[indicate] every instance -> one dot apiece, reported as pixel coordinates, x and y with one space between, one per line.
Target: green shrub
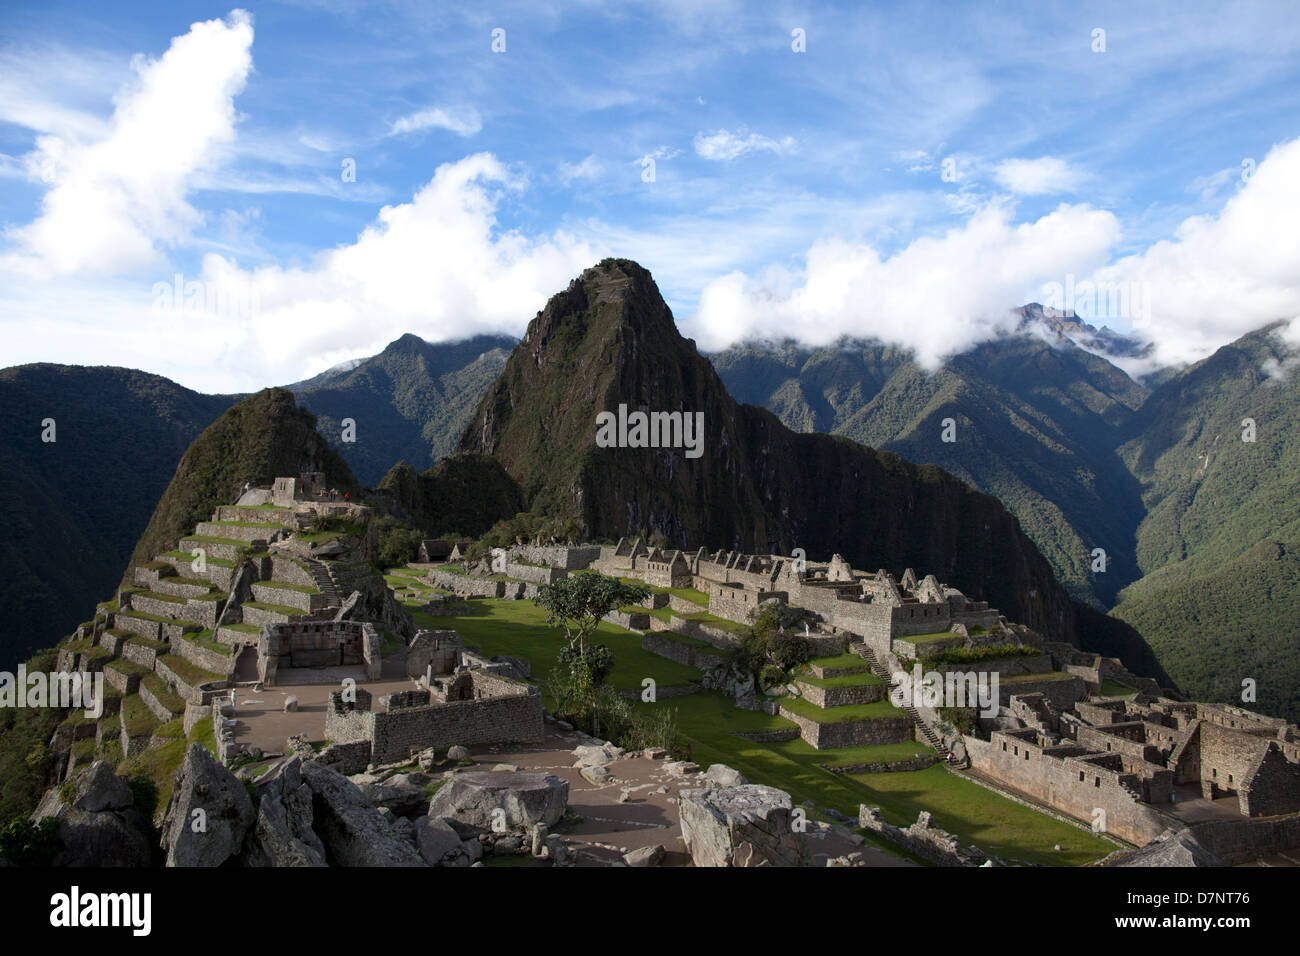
24 843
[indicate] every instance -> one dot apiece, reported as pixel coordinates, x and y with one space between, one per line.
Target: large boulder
526 799
748 825
209 814
97 822
283 834
353 832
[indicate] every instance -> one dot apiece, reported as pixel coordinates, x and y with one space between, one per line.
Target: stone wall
921 839
841 696
504 718
1022 766
464 585
534 575
851 733
201 656
1241 841
678 651
568 558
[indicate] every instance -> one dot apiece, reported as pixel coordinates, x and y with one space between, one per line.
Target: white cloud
463 121
724 144
117 197
436 266
588 169
1222 275
1036 177
936 297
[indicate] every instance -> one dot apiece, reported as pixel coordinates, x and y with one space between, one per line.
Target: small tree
578 602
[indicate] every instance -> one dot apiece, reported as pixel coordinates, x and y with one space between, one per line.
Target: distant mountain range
410 402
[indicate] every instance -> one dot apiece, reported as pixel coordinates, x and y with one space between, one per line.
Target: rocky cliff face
610 339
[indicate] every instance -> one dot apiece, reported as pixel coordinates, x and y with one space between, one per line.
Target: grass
277 608
1113 688
129 668
163 694
188 672
148 642
841 660
1029 678
205 640
300 588
519 628
930 638
137 719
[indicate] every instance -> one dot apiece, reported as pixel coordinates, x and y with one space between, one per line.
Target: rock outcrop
353 832
97 821
208 815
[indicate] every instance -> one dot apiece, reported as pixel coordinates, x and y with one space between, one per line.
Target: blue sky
915 172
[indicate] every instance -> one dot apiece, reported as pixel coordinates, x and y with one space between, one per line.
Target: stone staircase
933 739
324 581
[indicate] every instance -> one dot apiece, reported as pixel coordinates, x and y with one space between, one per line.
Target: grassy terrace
519 628
163 694
840 715
129 668
284 585
157 646
841 660
186 625
277 608
249 524
1029 678
205 640
137 719
929 638
188 672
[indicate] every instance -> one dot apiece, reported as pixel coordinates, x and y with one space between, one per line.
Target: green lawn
519 628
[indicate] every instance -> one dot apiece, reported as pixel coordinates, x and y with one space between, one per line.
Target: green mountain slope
76 506
1219 542
610 339
1035 426
410 402
256 440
